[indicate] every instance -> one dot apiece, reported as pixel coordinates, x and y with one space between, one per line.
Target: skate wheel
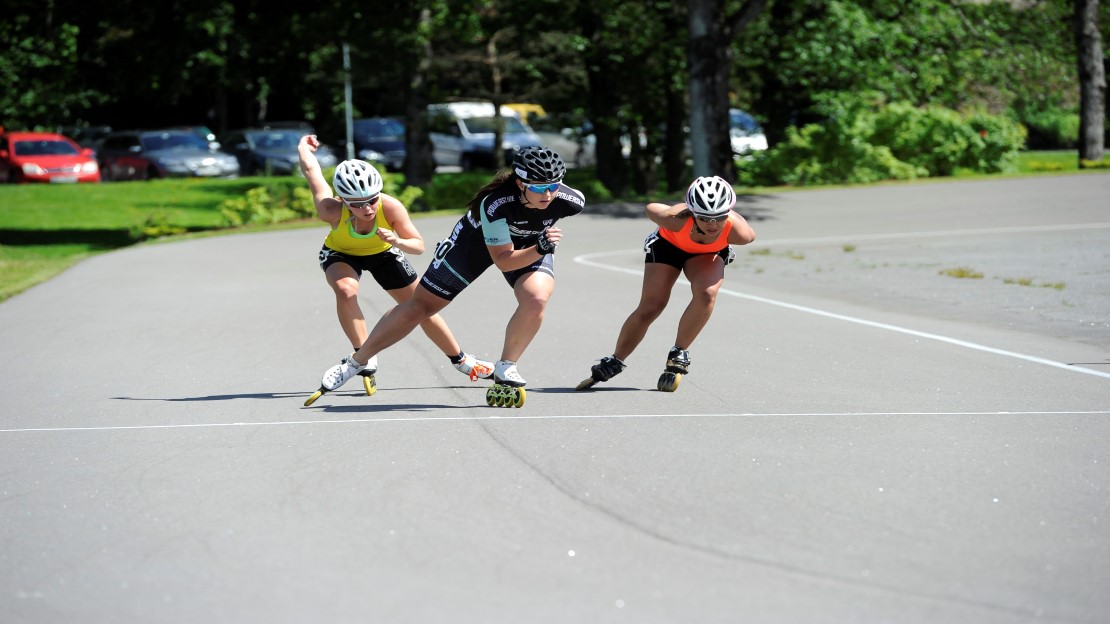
369 384
586 384
517 400
312 399
668 382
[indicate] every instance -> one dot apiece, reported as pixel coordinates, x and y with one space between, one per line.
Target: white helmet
355 179
710 197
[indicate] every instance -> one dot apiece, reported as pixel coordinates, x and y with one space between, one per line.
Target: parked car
45 157
203 132
381 141
147 154
745 132
575 145
462 134
85 136
271 151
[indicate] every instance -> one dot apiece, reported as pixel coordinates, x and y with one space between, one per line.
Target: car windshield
479 125
380 128
276 139
44 147
173 141
739 120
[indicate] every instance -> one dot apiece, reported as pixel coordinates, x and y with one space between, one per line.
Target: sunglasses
363 203
543 188
713 219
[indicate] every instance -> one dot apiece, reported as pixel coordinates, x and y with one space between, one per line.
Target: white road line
587 259
517 416
853 238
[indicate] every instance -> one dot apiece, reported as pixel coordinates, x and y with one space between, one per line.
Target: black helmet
539 164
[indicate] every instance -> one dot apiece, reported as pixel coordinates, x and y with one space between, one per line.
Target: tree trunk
492 61
419 165
709 61
603 106
1092 82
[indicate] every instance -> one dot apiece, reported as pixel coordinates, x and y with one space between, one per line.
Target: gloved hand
545 246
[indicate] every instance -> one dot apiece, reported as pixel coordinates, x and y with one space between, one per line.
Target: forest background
846 90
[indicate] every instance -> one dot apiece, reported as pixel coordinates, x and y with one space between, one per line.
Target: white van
462 134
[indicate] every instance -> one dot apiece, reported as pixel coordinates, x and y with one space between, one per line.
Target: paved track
862 438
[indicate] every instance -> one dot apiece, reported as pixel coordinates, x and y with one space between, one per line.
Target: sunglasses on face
713 219
363 203
543 188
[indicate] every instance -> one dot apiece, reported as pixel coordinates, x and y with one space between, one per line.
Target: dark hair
501 179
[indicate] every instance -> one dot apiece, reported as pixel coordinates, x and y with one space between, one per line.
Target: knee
706 296
533 302
650 310
346 289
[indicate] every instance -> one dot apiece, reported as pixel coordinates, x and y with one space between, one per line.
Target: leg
706 274
532 293
344 282
399 322
659 279
434 326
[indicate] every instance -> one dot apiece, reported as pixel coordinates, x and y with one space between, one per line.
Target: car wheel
152 173
466 162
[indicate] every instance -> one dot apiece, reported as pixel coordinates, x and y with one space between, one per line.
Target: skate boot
473 367
678 364
508 386
369 383
607 368
335 377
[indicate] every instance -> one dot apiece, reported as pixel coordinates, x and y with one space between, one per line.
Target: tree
39 69
1092 82
709 59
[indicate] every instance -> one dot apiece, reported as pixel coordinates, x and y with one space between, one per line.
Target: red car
45 157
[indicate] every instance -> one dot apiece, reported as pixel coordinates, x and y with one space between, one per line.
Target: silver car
271 151
462 134
148 154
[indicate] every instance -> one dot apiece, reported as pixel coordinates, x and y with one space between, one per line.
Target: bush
859 144
836 152
1051 129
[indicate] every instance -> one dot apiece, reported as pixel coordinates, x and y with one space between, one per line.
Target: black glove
544 246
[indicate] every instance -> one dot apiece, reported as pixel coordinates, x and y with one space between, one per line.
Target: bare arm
741 233
404 235
327 207
668 217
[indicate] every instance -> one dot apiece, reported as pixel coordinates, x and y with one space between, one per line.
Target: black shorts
456 266
663 251
391 269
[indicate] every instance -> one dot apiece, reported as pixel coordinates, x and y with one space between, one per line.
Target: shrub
1051 129
861 143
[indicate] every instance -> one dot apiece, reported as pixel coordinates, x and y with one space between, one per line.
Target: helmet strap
700 231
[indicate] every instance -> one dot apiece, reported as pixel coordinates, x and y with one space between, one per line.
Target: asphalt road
869 433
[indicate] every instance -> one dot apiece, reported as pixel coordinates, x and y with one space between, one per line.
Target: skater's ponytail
502 178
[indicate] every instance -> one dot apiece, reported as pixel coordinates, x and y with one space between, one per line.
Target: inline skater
510 224
691 238
371 231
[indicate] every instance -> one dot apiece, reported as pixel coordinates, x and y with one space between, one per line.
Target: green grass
1053 161
961 273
